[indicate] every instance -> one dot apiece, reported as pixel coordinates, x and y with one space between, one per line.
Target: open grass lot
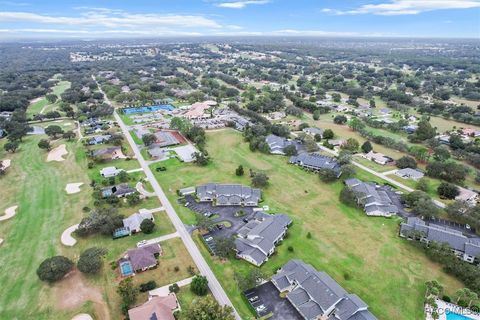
381 268
45 211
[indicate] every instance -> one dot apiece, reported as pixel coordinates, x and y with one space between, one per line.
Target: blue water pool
146 109
126 268
455 316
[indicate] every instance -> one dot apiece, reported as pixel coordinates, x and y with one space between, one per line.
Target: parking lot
265 299
225 214
209 240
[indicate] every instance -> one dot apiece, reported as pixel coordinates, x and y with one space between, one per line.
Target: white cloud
240 4
406 7
112 19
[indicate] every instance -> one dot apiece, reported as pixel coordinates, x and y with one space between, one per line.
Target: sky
90 19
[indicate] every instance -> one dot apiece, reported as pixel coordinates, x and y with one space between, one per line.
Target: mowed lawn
365 255
45 210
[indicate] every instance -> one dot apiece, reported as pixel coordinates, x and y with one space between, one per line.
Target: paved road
199 260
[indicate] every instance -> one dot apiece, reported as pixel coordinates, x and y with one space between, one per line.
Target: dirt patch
73 187
9 213
57 153
73 291
36 100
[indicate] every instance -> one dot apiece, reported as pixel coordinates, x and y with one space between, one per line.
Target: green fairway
42 105
364 254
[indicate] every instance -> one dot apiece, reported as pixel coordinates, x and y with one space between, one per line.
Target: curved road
197 257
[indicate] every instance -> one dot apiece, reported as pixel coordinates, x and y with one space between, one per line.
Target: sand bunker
82 316
9 212
57 153
6 163
1 241
67 238
73 187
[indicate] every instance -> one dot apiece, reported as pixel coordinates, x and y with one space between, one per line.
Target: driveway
269 296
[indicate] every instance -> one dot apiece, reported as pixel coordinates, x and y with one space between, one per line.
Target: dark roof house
119 190
376 200
316 162
316 295
257 239
228 194
145 257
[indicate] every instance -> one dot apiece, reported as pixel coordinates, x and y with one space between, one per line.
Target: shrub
147 226
290 249
176 269
347 276
309 235
174 288
446 298
199 285
147 286
90 261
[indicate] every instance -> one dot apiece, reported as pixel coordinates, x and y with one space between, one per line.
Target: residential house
99 139
316 295
409 173
471 132
316 162
378 158
108 172
257 239
119 191
228 194
144 258
376 200
133 222
111 153
277 144
156 308
313 131
466 248
467 195
336 142
410 128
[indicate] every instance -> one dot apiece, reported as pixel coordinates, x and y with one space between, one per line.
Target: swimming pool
146 109
126 268
456 316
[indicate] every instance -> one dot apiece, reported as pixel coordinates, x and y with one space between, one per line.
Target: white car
209 239
141 243
260 308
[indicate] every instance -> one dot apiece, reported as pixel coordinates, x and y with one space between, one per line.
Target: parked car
220 226
141 243
208 239
260 308
253 299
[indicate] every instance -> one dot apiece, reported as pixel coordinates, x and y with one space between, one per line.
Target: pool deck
443 307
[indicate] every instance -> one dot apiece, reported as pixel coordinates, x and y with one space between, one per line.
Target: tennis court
146 109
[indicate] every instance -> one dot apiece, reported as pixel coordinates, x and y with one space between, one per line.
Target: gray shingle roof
315 161
410 173
229 194
372 197
315 293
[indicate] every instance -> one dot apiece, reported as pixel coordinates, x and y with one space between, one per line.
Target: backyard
365 255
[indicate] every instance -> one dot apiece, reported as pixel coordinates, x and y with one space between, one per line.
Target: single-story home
111 153
156 308
144 258
467 195
316 295
133 222
257 239
336 142
99 139
409 173
108 172
313 131
228 194
316 162
119 191
187 191
378 158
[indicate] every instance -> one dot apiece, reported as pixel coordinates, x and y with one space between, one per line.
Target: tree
259 180
199 285
422 185
90 260
54 268
174 288
316 115
250 280
11 146
149 139
328 134
348 171
147 286
128 292
441 153
51 98
424 131
44 144
224 246
351 144
203 222
122 176
310 144
317 137
327 175
208 309
447 190
69 135
239 171
348 197
53 131
426 208
356 124
367 147
372 103
419 152
200 158
147 226
290 150
133 199
340 119
344 157
406 162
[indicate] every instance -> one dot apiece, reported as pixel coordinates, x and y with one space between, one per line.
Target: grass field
383 269
42 105
45 211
